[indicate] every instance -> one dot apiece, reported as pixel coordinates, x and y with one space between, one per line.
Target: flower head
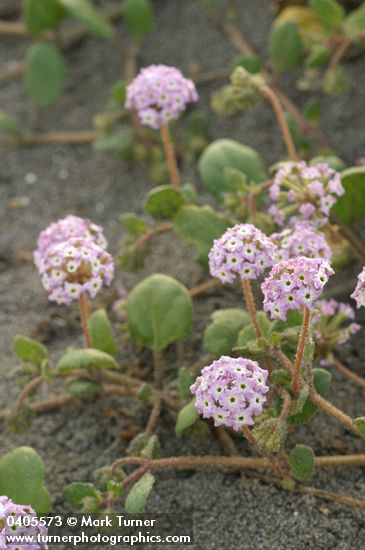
19 526
359 292
303 192
73 267
303 240
293 284
62 230
242 250
231 391
159 94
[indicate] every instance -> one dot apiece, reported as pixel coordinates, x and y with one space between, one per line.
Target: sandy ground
231 511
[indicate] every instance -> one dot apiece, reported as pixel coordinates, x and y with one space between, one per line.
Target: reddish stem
300 351
170 156
85 314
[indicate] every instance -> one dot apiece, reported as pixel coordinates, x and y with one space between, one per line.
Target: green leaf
286 46
199 226
189 193
281 377
163 202
159 311
40 15
329 12
360 425
9 126
79 387
186 379
135 225
145 394
137 497
322 380
85 12
29 350
225 153
354 24
351 206
22 479
75 493
139 17
85 359
121 140
312 110
301 461
45 73
101 332
221 335
187 416
318 57
252 63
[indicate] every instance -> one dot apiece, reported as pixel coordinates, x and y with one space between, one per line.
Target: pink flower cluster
303 240
294 284
231 391
8 508
73 267
62 230
359 292
309 192
330 323
71 259
242 250
159 94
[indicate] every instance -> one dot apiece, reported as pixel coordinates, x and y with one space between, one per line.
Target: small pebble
30 178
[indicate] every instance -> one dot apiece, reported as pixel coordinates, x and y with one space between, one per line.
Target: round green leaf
351 206
225 153
159 311
286 46
301 462
139 16
85 359
101 332
220 336
199 226
85 12
45 73
137 497
76 492
40 15
329 12
163 202
22 479
322 380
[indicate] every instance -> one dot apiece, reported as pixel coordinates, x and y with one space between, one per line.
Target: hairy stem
247 291
333 411
288 140
347 372
300 351
155 413
233 462
170 156
29 388
204 287
144 239
85 314
158 368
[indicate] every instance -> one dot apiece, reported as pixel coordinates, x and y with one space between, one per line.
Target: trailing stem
288 140
170 156
300 351
347 372
85 314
